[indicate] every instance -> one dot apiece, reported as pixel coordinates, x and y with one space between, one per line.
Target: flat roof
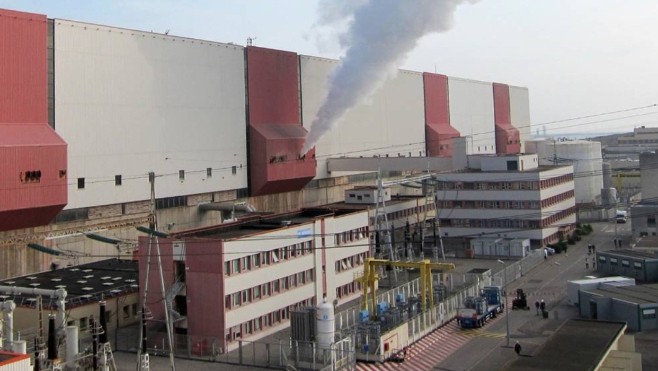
638 294
630 254
83 283
257 224
576 345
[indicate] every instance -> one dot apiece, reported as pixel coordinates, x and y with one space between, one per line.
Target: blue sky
577 57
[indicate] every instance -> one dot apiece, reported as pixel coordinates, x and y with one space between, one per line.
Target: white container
326 325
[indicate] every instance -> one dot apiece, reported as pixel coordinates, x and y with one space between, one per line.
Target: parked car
549 250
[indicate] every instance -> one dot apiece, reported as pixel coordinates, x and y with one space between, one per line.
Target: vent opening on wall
209 172
117 180
181 175
81 183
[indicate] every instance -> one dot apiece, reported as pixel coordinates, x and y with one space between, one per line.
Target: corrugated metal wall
438 132
390 122
205 289
472 113
520 113
23 83
32 156
507 136
134 102
275 132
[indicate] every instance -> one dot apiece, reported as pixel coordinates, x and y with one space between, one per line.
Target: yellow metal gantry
370 278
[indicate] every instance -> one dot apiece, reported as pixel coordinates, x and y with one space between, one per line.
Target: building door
593 312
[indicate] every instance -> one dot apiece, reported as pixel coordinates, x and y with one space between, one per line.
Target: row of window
508 223
412 211
118 179
553 219
351 235
255 261
489 204
624 263
261 323
127 311
490 223
350 262
557 198
348 289
267 289
496 186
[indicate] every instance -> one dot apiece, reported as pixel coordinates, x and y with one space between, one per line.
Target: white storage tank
325 325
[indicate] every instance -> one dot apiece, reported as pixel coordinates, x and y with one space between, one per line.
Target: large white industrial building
215 122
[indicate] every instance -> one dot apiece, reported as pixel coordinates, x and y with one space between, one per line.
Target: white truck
621 216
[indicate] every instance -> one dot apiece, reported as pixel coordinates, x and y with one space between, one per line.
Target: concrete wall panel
133 102
472 113
392 121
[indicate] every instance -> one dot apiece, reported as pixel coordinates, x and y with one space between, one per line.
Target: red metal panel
23 72
273 80
438 131
30 200
154 304
275 163
205 290
275 132
501 104
27 144
508 140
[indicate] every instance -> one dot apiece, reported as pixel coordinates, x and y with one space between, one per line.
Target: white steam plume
380 35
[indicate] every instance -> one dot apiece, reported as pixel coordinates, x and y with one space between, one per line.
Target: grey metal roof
638 294
630 254
576 346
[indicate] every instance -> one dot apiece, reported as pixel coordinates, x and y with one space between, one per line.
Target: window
257 260
257 292
512 165
234 170
117 180
613 261
637 265
209 172
625 263
81 183
181 175
648 313
126 312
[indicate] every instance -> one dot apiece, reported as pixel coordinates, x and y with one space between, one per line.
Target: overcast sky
577 57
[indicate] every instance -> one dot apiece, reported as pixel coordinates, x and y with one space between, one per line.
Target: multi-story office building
508 196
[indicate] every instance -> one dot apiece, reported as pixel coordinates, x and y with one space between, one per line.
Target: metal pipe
59 295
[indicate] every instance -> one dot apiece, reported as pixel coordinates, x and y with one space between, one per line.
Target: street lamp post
506 303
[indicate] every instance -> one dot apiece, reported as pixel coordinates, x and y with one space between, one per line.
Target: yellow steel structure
370 278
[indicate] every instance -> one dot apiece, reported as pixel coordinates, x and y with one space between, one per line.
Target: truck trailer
478 310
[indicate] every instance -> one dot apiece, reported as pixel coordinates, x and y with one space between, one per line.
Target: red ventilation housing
32 156
276 135
508 139
438 131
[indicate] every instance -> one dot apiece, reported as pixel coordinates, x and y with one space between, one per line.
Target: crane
370 278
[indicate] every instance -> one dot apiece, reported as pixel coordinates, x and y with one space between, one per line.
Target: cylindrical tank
19 346
71 344
325 325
